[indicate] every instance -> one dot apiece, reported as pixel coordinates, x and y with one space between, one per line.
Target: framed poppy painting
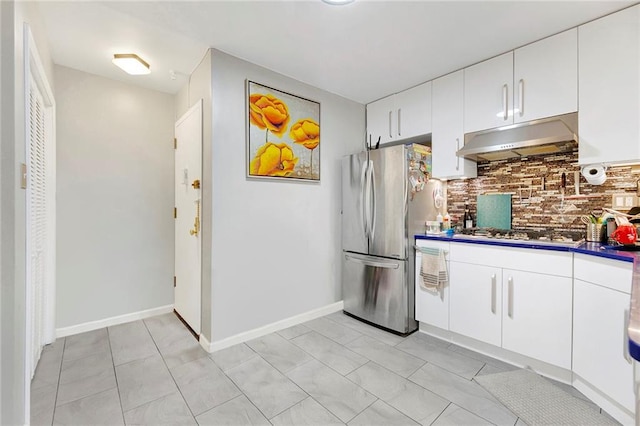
283 136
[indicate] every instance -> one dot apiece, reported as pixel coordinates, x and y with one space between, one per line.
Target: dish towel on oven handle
433 272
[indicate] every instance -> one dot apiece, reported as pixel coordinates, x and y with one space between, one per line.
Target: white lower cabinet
536 318
517 299
566 310
432 307
476 301
600 314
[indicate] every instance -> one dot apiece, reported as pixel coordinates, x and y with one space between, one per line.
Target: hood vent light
546 136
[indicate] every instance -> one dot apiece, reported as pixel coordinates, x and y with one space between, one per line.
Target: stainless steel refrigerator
386 199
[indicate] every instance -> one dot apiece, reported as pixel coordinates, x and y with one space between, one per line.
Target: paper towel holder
595 174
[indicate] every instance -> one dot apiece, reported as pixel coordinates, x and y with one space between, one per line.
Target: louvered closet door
37 214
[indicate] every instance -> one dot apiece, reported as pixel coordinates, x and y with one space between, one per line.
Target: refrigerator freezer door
376 289
388 182
354 214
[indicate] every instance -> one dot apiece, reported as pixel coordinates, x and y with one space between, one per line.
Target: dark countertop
593 249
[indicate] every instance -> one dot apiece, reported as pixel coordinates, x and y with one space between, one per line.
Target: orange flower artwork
268 112
306 132
273 160
275 147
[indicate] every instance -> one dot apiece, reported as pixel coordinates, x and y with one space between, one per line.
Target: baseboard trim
204 342
613 408
108 322
270 328
548 370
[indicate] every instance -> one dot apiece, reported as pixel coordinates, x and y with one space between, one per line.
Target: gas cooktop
537 236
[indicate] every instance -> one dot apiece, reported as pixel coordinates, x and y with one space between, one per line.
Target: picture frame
283 135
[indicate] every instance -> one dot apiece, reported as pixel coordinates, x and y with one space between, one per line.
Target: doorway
188 233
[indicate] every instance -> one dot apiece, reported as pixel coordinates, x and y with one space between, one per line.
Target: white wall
13 388
276 245
115 198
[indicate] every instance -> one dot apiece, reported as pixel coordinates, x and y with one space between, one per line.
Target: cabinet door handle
457 156
521 95
505 101
390 134
510 297
493 293
399 111
625 336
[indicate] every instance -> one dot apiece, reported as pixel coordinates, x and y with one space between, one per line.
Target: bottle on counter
440 221
468 218
446 222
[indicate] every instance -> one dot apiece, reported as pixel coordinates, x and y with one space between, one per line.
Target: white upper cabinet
609 87
402 116
536 81
414 111
447 136
380 121
488 90
546 77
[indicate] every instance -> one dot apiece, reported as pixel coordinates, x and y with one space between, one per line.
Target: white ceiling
362 51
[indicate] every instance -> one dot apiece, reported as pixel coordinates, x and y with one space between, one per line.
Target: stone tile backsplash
533 206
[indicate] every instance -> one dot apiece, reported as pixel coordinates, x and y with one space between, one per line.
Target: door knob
196 184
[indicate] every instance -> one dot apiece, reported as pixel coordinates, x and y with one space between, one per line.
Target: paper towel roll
595 174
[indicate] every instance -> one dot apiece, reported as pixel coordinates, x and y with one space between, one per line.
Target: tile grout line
113 364
477 384
442 412
341 325
326 408
364 334
55 401
247 396
371 361
243 362
324 363
170 375
235 384
365 408
409 381
452 372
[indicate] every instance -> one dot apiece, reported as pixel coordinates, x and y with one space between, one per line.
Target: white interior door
188 181
39 182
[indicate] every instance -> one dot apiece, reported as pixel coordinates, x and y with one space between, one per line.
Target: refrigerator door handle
389 265
374 205
405 187
363 200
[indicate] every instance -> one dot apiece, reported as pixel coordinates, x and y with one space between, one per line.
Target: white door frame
196 108
33 68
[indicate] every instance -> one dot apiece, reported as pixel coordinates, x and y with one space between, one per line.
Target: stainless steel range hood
546 136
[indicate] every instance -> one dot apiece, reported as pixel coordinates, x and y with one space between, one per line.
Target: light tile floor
329 371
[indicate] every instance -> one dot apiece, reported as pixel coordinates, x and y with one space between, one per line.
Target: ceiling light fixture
338 2
131 63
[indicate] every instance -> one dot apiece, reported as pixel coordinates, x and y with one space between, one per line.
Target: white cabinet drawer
613 274
523 259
